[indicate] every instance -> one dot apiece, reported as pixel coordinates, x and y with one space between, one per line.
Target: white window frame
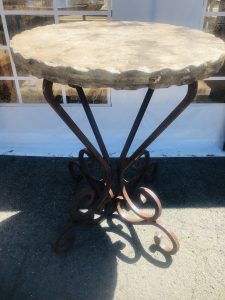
55 12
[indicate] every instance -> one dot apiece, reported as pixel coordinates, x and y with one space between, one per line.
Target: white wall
177 12
38 130
132 10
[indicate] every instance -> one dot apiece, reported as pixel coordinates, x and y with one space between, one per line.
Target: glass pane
64 19
7 91
216 5
31 91
221 72
215 25
94 95
2 35
95 18
5 65
17 24
28 4
210 91
74 18
82 4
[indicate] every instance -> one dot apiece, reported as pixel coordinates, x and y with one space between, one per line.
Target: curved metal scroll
130 205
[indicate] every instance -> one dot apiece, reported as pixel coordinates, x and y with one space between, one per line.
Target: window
19 15
212 90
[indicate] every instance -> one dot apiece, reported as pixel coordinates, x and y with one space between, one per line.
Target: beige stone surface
122 55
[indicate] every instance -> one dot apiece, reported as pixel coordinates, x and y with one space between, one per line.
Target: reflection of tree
217 93
2 36
16 24
218 87
219 27
94 95
82 4
6 91
23 4
6 86
65 4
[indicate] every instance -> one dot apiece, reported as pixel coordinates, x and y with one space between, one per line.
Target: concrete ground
106 263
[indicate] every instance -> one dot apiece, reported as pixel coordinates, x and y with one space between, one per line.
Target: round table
120 55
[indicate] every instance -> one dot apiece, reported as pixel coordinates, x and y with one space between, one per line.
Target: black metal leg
96 197
99 195
141 168
100 187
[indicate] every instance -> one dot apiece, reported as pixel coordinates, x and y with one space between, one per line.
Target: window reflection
75 18
31 91
17 24
2 35
210 91
5 65
94 95
82 4
215 25
7 91
65 19
216 5
28 4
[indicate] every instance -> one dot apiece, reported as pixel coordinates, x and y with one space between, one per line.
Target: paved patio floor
106 263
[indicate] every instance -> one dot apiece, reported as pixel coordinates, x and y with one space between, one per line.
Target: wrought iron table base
100 201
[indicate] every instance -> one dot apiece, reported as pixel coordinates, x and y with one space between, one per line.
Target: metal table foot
96 201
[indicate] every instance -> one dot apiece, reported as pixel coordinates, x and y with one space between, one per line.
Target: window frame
55 13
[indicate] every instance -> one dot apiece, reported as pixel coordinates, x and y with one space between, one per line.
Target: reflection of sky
65 3
60 3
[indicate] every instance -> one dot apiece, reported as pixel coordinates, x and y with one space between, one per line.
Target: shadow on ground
39 190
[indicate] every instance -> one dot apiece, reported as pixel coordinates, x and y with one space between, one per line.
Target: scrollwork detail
128 210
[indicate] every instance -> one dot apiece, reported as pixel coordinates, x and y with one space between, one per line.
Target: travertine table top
122 55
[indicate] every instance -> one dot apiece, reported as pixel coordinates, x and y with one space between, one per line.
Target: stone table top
122 55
